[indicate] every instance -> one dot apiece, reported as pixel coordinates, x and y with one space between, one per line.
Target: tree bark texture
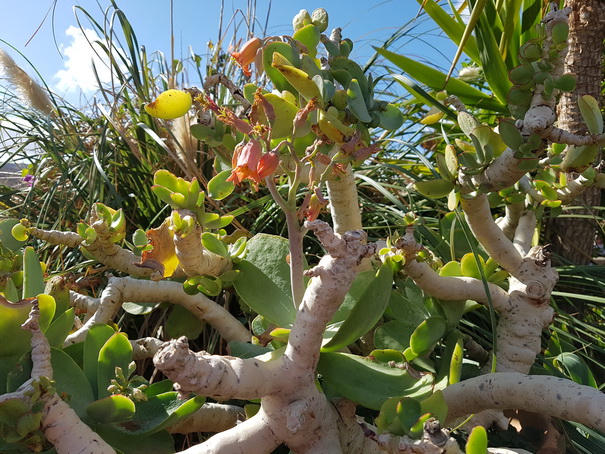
573 238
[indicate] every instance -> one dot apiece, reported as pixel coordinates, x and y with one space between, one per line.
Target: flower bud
247 54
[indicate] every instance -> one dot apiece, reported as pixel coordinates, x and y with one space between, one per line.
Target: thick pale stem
524 310
293 411
119 290
508 223
221 377
549 395
69 239
525 232
145 347
60 424
253 436
84 303
332 278
344 206
109 253
455 288
487 232
574 188
67 433
193 258
502 173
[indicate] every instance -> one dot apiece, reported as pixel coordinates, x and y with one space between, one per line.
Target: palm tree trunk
573 238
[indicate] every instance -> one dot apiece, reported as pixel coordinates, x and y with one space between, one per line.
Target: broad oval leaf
589 108
6 237
436 405
368 383
181 322
408 413
367 310
117 352
263 295
394 334
60 328
574 367
214 245
156 443
219 187
158 412
115 408
451 269
16 341
279 81
434 189
95 339
477 441
510 135
426 335
469 267
267 289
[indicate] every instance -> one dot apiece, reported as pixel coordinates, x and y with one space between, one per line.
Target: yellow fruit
169 105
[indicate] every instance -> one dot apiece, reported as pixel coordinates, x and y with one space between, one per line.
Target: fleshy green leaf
181 322
117 351
214 245
264 284
33 278
115 408
95 339
434 188
426 335
60 328
263 295
219 187
369 383
394 334
366 312
510 134
574 367
408 413
589 108
279 81
477 441
156 443
6 238
158 412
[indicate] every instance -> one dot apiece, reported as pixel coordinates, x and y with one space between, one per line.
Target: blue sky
65 65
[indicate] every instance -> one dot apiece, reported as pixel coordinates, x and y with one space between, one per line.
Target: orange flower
267 165
313 209
248 163
313 204
247 54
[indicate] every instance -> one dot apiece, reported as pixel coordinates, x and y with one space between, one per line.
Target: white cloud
79 57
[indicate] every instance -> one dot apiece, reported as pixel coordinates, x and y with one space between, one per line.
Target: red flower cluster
249 163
